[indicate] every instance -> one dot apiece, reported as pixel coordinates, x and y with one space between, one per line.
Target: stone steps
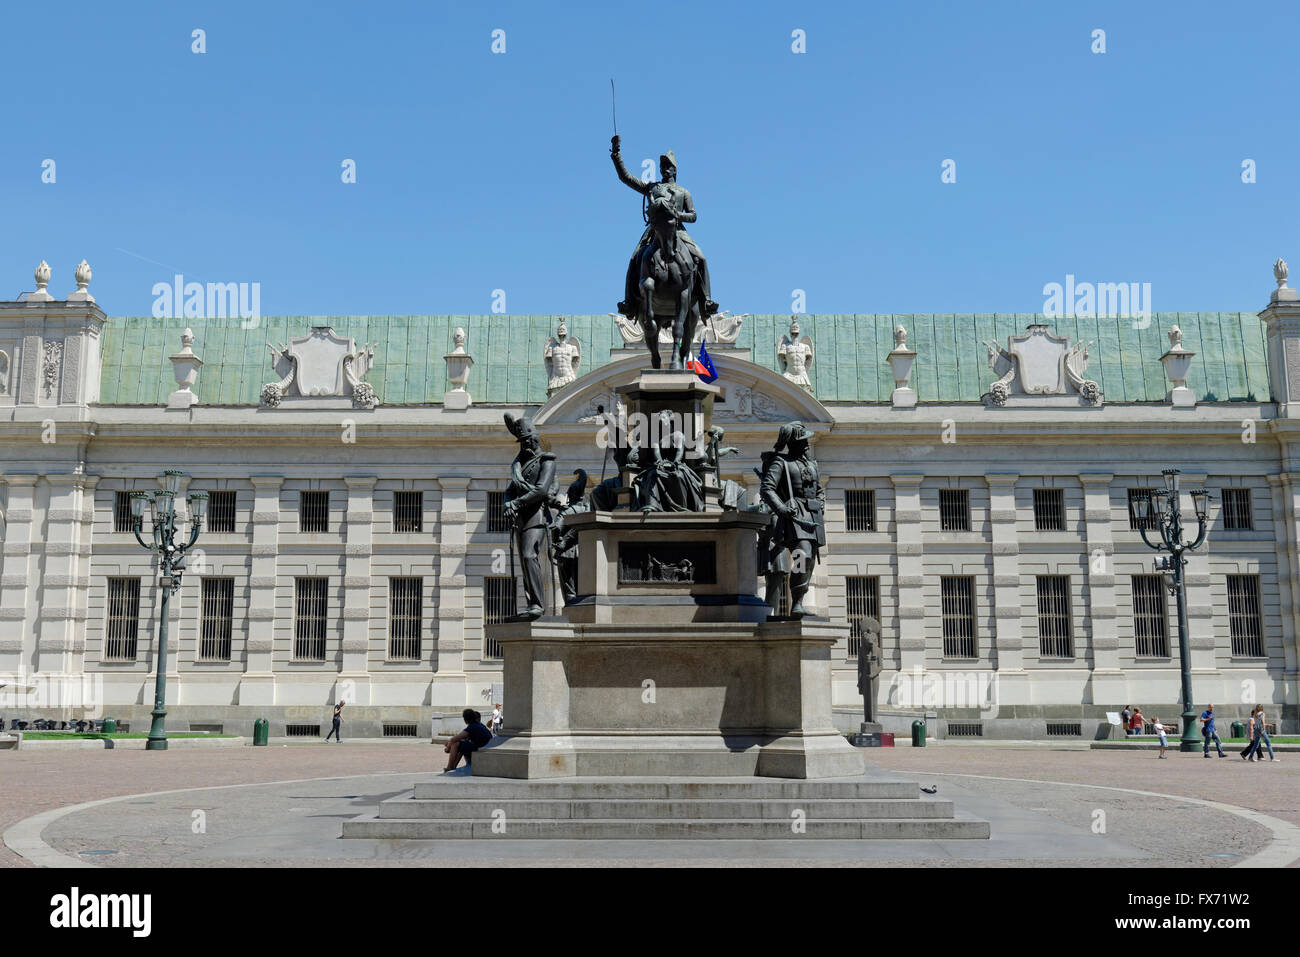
641 809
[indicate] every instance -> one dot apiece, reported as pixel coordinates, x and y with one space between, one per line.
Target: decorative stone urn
459 363
83 276
42 281
185 367
1177 362
901 360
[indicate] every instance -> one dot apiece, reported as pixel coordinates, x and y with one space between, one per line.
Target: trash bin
1238 729
261 732
918 734
110 726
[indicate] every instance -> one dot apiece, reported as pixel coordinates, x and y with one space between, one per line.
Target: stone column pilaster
1200 602
1109 685
62 607
449 687
908 549
257 685
357 586
1286 524
1008 616
17 636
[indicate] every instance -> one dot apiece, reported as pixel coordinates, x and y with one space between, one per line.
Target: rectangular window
1244 625
862 596
1150 617
860 509
954 509
313 511
1054 625
1153 520
496 512
408 511
122 521
1049 509
405 614
1236 510
310 607
221 512
957 594
218 611
498 605
122 625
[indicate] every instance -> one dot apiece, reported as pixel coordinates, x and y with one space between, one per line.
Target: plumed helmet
791 433
667 159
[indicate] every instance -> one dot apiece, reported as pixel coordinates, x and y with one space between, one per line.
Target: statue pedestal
668 699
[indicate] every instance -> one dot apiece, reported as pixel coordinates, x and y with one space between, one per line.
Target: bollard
261 732
110 726
918 734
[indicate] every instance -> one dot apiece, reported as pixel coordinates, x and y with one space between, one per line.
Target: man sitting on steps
468 741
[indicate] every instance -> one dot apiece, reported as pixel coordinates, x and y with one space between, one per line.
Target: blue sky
817 171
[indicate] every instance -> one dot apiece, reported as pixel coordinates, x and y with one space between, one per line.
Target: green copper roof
849 365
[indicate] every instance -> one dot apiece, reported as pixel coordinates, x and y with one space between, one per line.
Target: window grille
1049 509
496 513
310 607
860 509
408 511
302 731
399 731
498 605
217 602
957 594
122 520
1236 510
1244 625
405 615
965 729
1153 517
122 627
313 511
954 509
221 512
1064 729
1055 638
1150 617
862 595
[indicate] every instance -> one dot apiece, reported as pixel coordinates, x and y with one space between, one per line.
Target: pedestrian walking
1248 752
494 724
1136 721
1123 718
1261 736
1160 731
334 728
1208 734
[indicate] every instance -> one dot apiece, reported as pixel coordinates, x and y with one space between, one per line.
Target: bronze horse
669 291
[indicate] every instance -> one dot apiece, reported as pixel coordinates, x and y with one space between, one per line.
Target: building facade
978 474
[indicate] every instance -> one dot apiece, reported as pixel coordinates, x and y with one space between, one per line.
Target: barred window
1236 510
860 509
957 594
218 611
313 511
862 595
498 605
405 615
122 520
1055 638
1244 625
954 509
496 512
1150 617
221 512
1153 518
310 611
122 626
408 511
1049 509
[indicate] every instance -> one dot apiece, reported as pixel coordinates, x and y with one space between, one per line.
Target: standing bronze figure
565 540
667 278
791 489
531 476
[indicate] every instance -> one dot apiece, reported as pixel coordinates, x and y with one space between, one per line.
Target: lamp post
171 562
1163 506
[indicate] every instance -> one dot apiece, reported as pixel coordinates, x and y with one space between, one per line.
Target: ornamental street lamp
1161 508
171 562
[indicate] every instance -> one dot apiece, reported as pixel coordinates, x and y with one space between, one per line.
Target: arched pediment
752 395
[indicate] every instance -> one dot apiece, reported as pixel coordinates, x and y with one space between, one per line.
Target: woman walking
1247 753
1261 735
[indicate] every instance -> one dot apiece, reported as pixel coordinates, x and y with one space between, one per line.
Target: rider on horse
664 191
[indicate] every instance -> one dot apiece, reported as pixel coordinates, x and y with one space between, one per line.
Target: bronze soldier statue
531 476
565 540
664 191
791 489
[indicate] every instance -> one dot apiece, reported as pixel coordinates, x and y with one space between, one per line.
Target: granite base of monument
671 699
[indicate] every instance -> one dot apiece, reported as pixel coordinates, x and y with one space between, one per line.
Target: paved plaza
285 805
